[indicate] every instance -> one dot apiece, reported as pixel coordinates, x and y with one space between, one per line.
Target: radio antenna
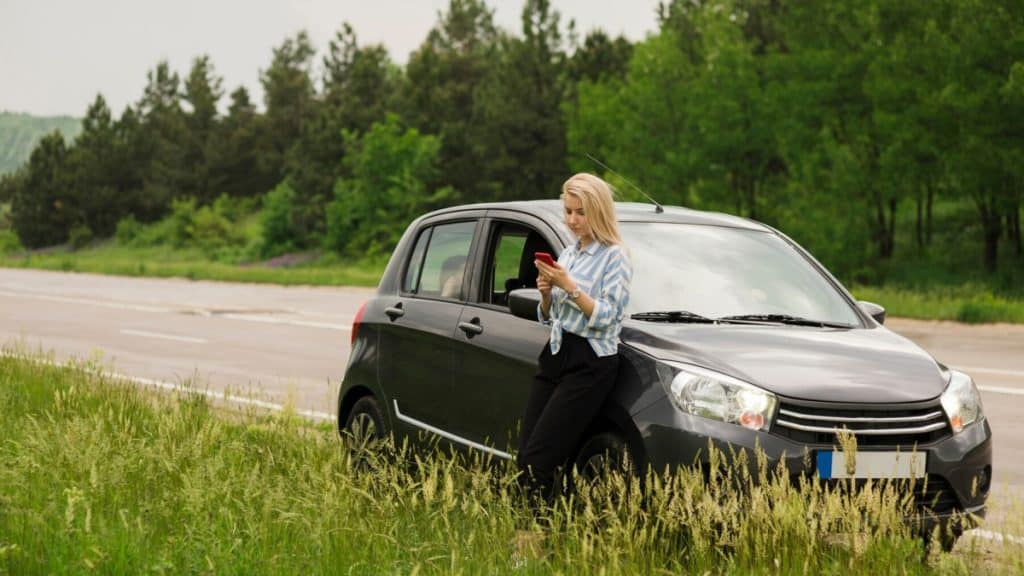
657 207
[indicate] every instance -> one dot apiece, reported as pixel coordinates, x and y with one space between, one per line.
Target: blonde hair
598 204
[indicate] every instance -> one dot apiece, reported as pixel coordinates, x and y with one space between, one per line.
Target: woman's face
576 218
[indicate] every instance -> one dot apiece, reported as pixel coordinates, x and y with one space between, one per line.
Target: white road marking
996 536
177 338
271 320
90 302
212 394
1001 372
1002 390
161 309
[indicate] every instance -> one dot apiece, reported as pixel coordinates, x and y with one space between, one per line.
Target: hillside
20 132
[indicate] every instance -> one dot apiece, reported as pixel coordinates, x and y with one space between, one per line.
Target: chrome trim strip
856 432
448 435
921 418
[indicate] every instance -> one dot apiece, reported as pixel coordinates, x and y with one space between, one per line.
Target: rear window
412 271
437 264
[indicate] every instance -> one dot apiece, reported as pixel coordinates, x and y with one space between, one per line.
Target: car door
417 338
498 358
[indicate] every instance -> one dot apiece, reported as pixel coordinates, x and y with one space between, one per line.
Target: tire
604 471
944 537
602 454
365 427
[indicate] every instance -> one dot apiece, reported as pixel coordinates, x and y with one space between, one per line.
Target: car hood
872 365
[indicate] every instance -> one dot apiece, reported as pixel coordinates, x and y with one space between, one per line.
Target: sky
56 55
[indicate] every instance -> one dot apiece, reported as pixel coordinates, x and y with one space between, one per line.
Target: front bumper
960 464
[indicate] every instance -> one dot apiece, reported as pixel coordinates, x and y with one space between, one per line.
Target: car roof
626 212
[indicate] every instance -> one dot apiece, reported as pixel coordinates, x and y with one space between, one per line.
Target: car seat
527 277
452 270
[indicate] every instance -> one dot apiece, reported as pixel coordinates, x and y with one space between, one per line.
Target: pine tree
233 156
163 140
439 95
202 93
521 127
42 211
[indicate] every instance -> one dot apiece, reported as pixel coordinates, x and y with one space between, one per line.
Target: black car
734 334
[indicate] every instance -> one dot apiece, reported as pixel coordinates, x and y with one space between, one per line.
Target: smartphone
545 258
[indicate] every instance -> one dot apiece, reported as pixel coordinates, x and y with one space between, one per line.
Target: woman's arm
604 308
544 285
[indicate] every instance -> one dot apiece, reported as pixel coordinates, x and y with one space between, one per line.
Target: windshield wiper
672 316
783 319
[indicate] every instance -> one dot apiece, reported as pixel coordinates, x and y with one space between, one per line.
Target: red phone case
545 258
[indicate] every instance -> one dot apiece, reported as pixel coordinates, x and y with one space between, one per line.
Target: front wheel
602 455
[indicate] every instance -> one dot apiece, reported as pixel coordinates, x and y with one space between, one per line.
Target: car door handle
395 312
471 328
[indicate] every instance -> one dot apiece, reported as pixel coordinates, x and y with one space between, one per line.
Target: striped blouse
603 272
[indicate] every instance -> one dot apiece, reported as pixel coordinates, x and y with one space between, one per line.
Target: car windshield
716 272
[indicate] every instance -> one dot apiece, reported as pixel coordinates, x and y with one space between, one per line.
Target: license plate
872 465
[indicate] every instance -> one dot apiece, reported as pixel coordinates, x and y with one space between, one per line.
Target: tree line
833 120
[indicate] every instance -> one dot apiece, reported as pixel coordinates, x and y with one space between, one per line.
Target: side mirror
523 302
873 310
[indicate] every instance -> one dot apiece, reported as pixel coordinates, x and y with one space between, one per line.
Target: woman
583 298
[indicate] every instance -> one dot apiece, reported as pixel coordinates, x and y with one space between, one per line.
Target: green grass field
101 476
972 304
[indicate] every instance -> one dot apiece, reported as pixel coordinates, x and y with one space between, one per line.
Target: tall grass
100 476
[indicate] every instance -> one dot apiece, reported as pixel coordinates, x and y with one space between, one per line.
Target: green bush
157 234
206 228
80 236
393 173
128 229
215 235
5 215
235 209
983 308
181 219
9 242
276 217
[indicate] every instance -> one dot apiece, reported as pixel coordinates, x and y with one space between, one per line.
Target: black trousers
567 394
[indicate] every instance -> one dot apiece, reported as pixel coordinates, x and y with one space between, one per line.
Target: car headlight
716 396
961 401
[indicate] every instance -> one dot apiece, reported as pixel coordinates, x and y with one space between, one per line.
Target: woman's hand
555 276
544 285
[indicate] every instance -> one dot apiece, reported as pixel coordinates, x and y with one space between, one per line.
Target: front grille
935 495
932 494
893 425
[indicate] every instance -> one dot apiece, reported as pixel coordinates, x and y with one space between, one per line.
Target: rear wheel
365 427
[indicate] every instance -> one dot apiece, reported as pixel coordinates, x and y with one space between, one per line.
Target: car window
718 271
444 264
412 270
510 261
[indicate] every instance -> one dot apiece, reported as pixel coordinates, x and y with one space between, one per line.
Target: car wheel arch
349 400
616 419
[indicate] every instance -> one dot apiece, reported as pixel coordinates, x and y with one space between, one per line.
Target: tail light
355 323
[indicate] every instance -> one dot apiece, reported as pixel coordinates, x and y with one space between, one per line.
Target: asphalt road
290 344
282 345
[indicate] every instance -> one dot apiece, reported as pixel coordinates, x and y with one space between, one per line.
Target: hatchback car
734 334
